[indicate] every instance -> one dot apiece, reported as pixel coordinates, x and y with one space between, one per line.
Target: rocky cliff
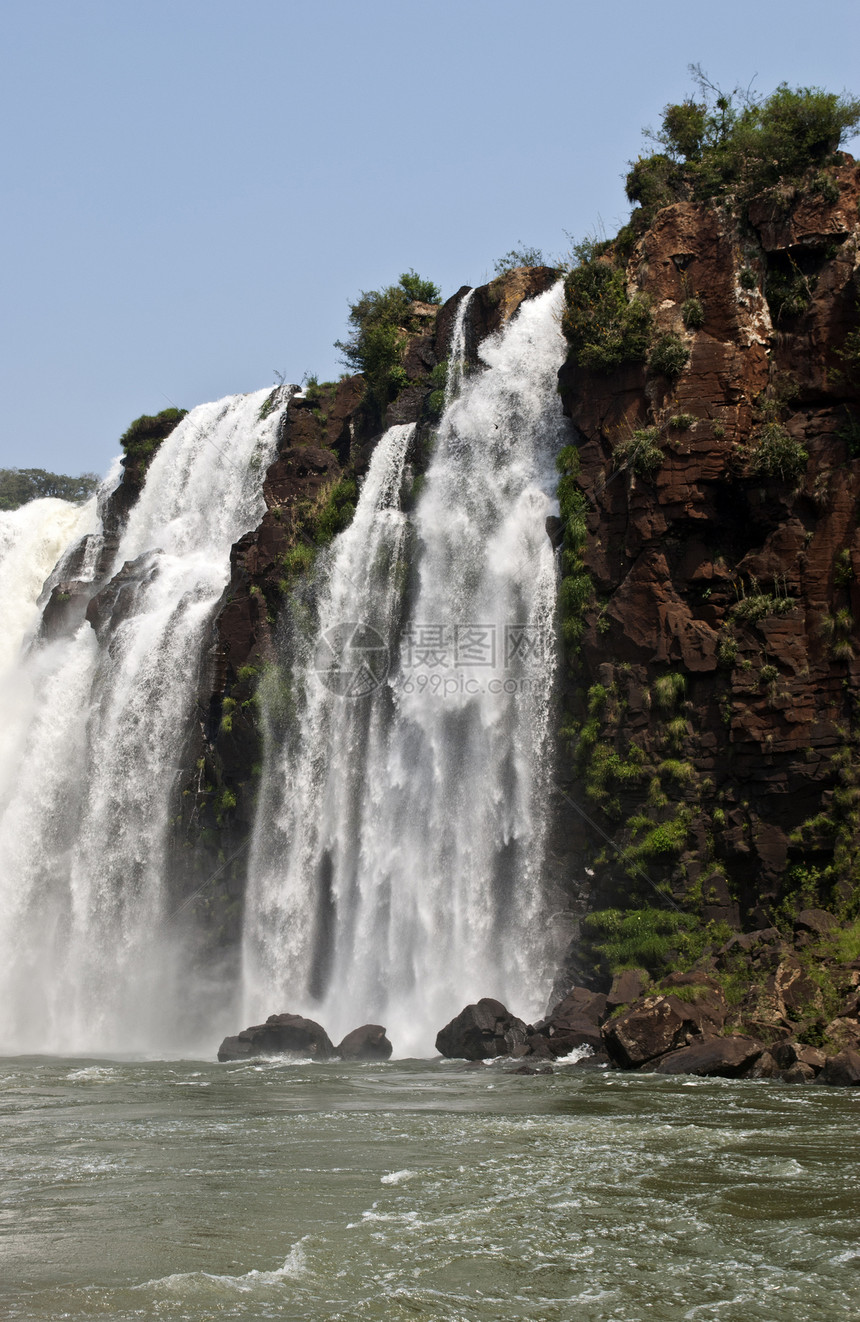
710 730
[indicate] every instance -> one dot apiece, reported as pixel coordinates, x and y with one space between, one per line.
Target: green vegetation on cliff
380 322
715 146
146 433
718 143
711 725
602 326
20 485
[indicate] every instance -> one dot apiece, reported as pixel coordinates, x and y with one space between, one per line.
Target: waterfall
32 540
86 788
397 867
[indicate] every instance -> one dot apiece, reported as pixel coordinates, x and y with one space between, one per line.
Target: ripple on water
413 1193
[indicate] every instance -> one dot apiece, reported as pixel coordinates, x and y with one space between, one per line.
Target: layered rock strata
710 723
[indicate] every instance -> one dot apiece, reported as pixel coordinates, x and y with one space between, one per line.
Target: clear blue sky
196 189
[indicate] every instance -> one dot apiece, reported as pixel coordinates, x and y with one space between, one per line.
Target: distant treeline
18 485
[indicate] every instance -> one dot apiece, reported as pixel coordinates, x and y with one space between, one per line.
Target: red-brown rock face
722 633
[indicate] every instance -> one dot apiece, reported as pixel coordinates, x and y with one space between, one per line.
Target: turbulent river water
189 1190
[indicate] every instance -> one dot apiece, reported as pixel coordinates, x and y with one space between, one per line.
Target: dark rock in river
649 1029
714 1057
798 1073
842 1070
366 1043
789 1054
574 1022
281 1034
481 1031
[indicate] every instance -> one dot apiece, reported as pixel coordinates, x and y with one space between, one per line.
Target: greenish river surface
190 1190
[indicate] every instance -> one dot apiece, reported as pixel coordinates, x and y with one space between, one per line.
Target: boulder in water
281 1034
574 1022
842 1070
715 1057
366 1043
481 1031
651 1028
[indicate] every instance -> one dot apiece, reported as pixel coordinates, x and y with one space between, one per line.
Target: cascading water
86 960
396 872
32 540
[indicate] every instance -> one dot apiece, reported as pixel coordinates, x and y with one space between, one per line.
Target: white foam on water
190 1284
398 1177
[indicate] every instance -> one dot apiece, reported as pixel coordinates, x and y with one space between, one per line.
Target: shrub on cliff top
715 142
146 433
519 256
379 322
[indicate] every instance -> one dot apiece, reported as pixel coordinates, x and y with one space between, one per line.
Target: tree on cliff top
715 143
379 320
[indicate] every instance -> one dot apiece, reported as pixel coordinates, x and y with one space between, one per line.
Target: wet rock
842 1070
407 407
789 1054
532 1069
649 1029
764 1068
574 1022
117 600
366 1043
554 531
481 1031
536 1044
281 1034
494 304
596 1060
626 987
65 608
714 1057
798 1073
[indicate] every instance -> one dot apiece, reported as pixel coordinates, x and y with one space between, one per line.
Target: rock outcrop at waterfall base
281 1034
366 1043
481 1032
682 1024
293 1035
